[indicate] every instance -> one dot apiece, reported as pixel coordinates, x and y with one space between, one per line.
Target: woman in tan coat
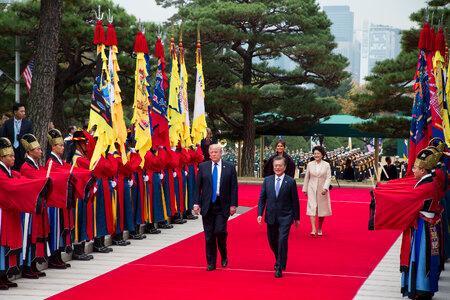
315 187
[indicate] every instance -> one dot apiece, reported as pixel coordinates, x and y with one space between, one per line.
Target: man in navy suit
14 129
216 198
279 199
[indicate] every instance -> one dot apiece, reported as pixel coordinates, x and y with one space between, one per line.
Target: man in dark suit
279 199
216 198
14 129
389 169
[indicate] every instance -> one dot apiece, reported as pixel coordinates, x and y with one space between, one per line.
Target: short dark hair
279 158
7 115
16 106
321 150
388 159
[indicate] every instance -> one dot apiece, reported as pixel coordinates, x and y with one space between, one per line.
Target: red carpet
330 267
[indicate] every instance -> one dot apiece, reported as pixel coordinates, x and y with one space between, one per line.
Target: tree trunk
58 117
248 150
43 83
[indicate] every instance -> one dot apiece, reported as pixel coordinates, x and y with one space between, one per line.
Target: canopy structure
336 125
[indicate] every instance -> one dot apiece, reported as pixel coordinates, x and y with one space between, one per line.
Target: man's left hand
232 210
324 192
297 223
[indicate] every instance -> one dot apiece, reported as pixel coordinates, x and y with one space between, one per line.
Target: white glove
130 182
95 190
174 148
133 150
185 173
161 176
174 174
113 184
146 178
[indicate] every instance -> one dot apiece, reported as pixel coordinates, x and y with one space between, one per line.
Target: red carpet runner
333 266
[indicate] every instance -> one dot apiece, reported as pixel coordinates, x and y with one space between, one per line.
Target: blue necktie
214 179
277 187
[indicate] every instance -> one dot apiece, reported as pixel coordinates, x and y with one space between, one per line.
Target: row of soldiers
47 210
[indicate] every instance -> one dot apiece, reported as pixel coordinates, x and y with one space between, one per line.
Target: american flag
28 73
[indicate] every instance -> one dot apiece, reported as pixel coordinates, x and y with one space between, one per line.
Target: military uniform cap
55 137
5 147
29 142
79 135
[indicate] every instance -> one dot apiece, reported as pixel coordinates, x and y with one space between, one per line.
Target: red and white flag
28 73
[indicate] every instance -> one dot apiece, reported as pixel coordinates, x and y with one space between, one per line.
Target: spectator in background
349 172
206 142
290 165
5 116
390 169
14 129
68 144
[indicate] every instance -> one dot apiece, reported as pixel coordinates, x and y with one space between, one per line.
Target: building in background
379 42
343 31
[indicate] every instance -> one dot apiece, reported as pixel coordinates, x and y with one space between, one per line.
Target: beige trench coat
315 182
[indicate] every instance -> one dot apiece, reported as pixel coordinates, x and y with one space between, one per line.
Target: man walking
279 200
216 198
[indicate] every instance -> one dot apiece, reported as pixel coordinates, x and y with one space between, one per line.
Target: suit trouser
278 235
215 227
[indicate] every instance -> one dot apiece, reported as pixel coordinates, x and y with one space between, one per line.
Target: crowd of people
47 210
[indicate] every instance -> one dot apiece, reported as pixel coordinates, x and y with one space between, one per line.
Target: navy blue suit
8 132
280 213
215 215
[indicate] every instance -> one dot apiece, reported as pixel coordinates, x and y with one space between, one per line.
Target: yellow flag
119 127
175 118
184 104
199 120
141 118
100 112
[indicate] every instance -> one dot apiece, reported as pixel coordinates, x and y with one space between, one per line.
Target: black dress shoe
54 265
9 283
278 273
192 217
224 262
178 221
81 256
102 249
155 231
40 274
165 226
211 268
29 275
3 286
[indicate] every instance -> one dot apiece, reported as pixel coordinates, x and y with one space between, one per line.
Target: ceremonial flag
118 123
199 120
175 118
421 116
183 100
28 73
100 113
141 117
159 104
405 150
439 73
149 87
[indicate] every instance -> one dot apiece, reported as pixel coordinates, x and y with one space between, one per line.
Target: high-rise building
380 42
342 28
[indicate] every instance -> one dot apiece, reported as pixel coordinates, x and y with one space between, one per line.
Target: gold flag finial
181 33
198 33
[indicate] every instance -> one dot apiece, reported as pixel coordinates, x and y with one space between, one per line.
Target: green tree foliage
240 39
76 54
389 86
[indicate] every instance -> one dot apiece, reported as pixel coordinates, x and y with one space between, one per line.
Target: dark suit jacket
8 132
290 166
205 148
228 187
284 209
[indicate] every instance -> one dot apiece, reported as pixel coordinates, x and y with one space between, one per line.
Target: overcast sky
384 12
